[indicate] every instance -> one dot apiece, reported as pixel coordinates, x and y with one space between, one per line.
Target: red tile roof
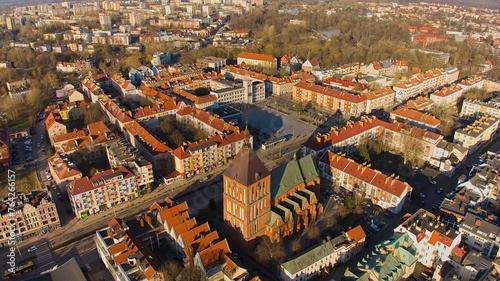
87 184
366 174
357 233
441 238
416 116
446 91
136 130
331 92
256 56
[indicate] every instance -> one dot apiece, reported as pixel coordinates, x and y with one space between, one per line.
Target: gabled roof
246 167
292 174
87 184
256 56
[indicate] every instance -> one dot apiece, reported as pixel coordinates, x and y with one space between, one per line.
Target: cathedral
258 202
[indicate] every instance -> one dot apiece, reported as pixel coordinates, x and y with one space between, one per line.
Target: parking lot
272 123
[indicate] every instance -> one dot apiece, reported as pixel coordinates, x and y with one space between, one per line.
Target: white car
87 266
32 249
422 195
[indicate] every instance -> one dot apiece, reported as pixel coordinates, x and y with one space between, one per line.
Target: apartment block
54 125
122 153
230 92
471 83
335 251
473 109
349 137
388 192
62 171
447 96
211 62
407 89
434 241
479 132
34 214
101 191
255 59
416 118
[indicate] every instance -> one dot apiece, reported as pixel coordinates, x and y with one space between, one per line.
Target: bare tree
192 274
296 245
171 269
410 146
313 232
270 253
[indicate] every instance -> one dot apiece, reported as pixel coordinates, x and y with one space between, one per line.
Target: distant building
211 62
416 118
255 59
480 234
473 109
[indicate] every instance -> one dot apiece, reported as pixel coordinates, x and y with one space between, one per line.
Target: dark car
387 215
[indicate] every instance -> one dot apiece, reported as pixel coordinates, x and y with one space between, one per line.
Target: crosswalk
44 257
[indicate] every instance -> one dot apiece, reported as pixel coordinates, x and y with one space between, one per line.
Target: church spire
246 142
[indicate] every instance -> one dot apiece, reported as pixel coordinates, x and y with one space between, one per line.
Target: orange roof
461 253
357 233
87 184
184 227
62 168
331 92
446 91
69 136
321 141
366 174
438 237
420 103
214 253
256 56
136 130
416 116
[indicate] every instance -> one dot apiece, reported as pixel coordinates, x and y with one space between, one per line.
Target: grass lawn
23 121
26 180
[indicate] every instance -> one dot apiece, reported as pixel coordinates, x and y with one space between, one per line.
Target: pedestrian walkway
44 257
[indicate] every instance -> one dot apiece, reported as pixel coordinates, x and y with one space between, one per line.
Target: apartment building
447 96
388 192
231 92
473 109
130 248
92 138
391 260
480 234
101 191
122 153
479 132
420 104
255 59
382 98
204 155
54 125
349 137
154 150
448 157
345 85
407 89
387 67
211 62
433 240
337 250
432 79
35 213
62 171
416 118
471 83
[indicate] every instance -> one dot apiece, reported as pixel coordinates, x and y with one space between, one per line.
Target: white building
338 250
480 235
434 241
90 195
479 132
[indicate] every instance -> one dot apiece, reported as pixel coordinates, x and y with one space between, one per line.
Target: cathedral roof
291 174
246 167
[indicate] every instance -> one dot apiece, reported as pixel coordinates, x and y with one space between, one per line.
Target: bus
19 270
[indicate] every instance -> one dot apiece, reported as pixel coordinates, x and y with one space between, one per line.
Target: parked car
87 266
421 195
387 215
439 190
32 249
